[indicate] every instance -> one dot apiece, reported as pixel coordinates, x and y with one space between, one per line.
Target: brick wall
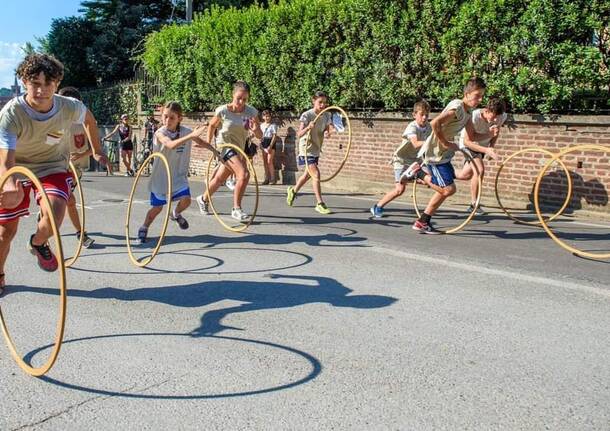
376 137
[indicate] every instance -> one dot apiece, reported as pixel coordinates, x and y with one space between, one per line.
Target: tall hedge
542 55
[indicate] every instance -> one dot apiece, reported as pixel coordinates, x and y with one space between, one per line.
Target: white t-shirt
178 158
482 126
269 129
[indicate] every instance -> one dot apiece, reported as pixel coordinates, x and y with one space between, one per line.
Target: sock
425 218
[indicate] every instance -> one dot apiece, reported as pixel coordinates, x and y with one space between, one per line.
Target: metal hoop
251 169
347 150
145 261
475 206
548 230
59 333
70 261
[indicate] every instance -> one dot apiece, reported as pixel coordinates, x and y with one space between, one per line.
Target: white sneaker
204 206
230 183
239 215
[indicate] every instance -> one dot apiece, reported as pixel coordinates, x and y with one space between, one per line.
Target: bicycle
143 153
111 148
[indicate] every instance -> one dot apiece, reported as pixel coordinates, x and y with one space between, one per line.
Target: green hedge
542 55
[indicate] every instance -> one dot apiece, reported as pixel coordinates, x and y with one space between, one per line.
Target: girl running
234 122
174 142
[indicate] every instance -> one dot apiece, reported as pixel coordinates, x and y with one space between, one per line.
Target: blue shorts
311 160
157 202
443 175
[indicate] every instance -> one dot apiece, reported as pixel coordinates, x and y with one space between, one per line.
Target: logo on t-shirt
79 141
246 122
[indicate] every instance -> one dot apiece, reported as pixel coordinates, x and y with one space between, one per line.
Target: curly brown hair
33 64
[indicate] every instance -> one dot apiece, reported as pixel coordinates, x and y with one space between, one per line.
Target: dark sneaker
182 223
2 284
377 211
478 211
426 228
142 234
87 240
46 259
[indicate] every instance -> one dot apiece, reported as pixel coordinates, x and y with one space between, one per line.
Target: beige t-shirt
75 139
39 136
432 151
317 133
235 126
406 153
482 126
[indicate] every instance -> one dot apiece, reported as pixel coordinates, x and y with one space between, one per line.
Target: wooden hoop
71 260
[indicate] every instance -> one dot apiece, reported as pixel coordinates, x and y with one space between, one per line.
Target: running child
311 149
486 122
78 146
125 144
268 146
438 150
173 141
405 156
234 121
30 135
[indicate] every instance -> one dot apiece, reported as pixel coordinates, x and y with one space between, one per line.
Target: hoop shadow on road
211 269
256 296
313 362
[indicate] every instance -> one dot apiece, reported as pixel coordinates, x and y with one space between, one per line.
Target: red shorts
58 185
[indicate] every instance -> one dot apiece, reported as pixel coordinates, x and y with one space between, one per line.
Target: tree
68 41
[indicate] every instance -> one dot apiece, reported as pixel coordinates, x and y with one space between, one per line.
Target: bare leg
314 173
438 198
44 231
183 204
271 165
242 177
73 213
217 180
474 181
399 189
152 214
7 234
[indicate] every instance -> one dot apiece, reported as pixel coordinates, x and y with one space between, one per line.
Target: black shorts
266 143
127 146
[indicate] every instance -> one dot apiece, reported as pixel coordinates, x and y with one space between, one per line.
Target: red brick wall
375 139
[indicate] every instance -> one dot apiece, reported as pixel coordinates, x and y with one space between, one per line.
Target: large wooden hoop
59 255
79 247
543 222
145 261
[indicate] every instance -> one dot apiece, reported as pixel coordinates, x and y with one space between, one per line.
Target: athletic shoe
127 174
478 211
426 228
377 211
142 234
204 206
230 183
322 208
46 259
239 215
2 284
264 183
411 171
87 240
290 195
182 223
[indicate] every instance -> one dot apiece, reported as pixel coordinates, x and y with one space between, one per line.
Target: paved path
313 322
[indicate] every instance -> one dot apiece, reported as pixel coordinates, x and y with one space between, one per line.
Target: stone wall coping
549 120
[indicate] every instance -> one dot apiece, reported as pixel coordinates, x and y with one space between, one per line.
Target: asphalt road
313 322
